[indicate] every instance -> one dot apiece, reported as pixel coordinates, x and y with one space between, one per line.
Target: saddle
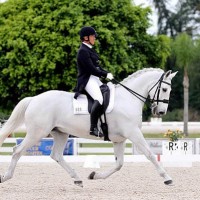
83 104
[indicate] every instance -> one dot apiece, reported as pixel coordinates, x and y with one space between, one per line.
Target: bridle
158 83
156 95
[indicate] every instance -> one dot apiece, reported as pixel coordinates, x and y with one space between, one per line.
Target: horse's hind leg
119 158
60 140
18 151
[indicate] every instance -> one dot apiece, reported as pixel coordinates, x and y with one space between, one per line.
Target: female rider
89 72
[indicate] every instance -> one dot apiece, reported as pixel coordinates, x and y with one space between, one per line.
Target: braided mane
140 72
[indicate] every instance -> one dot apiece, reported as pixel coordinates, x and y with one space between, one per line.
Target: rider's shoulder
83 51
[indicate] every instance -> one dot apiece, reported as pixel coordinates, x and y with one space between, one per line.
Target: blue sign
45 147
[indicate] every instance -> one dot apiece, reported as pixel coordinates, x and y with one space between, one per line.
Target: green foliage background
39 41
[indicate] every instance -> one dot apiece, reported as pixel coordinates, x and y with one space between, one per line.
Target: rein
144 99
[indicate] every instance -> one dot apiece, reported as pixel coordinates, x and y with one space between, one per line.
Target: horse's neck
143 83
128 102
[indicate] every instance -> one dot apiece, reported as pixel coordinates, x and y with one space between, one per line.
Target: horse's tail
15 120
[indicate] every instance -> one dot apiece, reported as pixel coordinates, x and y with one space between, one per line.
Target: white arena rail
11 142
105 147
85 147
157 126
81 146
89 147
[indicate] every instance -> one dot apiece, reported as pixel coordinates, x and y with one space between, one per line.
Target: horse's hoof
79 183
91 176
169 182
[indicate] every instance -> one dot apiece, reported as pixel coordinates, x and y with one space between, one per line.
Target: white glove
110 76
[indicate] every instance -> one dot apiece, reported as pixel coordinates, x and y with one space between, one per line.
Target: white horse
52 113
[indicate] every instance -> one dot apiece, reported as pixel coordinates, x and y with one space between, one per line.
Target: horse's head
160 93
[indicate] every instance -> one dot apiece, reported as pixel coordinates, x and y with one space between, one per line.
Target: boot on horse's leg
94 115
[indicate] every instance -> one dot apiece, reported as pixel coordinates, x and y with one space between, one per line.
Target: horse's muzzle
155 111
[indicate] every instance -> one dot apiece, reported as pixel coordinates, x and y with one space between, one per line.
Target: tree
194 82
183 49
184 17
39 41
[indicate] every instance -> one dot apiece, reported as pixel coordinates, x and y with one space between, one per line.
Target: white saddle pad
80 104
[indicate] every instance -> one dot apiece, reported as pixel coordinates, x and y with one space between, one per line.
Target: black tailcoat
87 64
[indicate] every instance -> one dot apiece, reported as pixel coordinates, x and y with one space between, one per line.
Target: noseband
156 94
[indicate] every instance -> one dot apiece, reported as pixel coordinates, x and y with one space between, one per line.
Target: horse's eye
164 89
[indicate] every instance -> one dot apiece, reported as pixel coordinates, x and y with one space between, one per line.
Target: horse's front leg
119 158
138 139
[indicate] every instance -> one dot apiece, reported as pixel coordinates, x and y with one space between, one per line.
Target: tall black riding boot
94 115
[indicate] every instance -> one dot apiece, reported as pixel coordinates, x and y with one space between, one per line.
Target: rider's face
91 39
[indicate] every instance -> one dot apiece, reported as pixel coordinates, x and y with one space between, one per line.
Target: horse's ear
173 74
169 74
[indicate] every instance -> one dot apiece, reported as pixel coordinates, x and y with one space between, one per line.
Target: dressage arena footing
94 161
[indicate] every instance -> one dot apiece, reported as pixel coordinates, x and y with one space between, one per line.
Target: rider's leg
93 88
94 115
94 91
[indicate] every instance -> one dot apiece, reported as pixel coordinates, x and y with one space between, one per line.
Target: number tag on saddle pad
80 105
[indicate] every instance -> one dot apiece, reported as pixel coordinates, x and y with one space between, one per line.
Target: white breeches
93 89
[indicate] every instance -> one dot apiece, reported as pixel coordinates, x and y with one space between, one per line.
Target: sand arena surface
135 181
